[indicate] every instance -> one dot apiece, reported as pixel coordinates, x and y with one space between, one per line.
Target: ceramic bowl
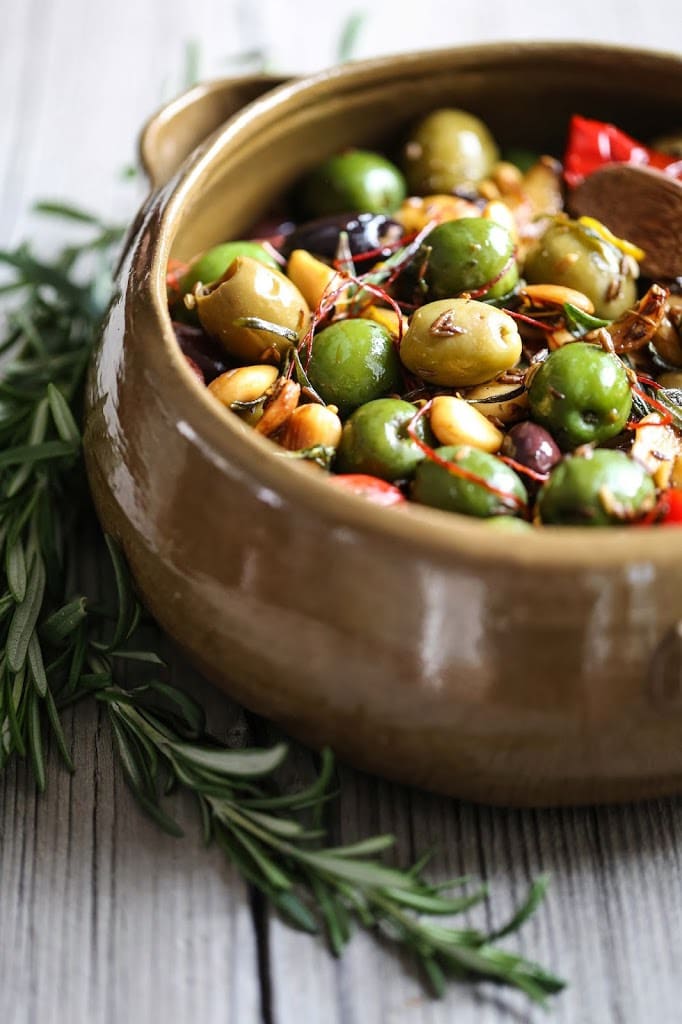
538 669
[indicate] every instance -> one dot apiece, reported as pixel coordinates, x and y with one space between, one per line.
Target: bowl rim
225 441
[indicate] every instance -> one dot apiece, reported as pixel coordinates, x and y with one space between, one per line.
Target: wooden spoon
639 204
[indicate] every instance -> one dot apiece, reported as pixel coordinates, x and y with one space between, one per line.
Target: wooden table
102 918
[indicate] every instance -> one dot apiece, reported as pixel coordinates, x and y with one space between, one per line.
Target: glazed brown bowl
524 669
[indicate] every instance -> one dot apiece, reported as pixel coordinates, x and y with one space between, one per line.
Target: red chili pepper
379 492
671 507
591 144
175 272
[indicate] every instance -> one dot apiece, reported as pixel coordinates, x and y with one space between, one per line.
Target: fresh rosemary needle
58 648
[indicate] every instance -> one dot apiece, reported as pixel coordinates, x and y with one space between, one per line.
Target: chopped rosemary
59 647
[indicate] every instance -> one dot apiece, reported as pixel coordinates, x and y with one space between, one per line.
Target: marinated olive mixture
443 332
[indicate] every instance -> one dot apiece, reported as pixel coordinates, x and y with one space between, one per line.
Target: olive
213 263
575 256
581 394
472 254
460 342
375 440
531 446
352 362
603 488
248 289
511 523
367 232
208 355
448 149
436 485
354 180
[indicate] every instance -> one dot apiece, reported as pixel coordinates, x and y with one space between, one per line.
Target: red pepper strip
591 144
176 270
379 492
666 512
666 416
672 507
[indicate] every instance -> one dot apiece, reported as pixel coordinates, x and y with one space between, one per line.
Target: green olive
581 394
468 255
354 180
213 263
447 149
375 440
248 289
436 485
460 342
603 488
509 523
354 361
572 255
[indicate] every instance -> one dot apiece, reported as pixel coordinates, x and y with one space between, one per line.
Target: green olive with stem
252 309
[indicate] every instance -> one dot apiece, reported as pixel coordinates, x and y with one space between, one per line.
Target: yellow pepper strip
629 248
388 318
313 278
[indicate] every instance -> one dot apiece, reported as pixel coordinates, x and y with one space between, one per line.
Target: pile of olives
438 329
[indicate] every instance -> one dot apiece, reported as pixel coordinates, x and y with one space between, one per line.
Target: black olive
208 355
366 232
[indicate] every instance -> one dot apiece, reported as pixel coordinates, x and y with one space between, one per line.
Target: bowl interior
526 93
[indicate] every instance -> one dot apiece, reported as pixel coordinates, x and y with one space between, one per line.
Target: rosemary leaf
526 910
65 211
36 666
35 740
435 975
365 847
349 36
257 323
15 570
62 416
293 908
26 455
248 763
15 693
25 617
64 621
125 601
58 732
429 903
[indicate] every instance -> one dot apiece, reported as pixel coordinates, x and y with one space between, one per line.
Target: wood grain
103 919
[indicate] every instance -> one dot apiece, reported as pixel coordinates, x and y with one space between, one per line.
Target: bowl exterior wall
508 679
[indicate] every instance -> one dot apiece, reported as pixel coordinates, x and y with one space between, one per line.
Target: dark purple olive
207 355
366 232
532 446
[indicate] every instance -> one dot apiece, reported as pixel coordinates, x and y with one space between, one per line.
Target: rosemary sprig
58 648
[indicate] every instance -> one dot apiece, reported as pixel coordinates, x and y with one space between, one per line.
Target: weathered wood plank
611 923
102 917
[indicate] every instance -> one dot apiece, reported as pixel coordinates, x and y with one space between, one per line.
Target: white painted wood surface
104 920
